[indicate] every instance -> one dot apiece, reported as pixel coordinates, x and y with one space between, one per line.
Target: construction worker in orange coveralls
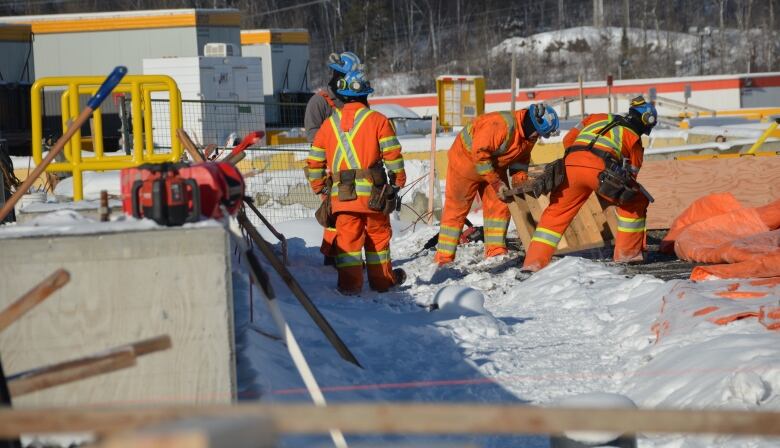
478 163
599 145
318 109
352 146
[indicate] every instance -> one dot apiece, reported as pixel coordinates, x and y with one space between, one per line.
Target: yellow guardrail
140 88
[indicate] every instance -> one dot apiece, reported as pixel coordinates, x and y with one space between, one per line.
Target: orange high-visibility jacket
496 141
354 137
621 141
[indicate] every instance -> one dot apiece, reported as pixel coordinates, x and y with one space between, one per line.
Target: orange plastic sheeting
700 210
762 266
690 305
709 240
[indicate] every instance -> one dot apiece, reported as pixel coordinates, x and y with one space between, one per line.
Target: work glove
502 191
519 178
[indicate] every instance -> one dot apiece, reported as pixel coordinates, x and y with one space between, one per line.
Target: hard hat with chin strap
644 111
354 83
345 62
545 119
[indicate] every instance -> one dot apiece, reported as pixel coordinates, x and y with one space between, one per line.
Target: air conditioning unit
219 50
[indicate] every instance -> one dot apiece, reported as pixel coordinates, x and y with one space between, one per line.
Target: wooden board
675 184
126 286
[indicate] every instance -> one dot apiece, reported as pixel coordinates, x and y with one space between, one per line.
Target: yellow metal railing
140 88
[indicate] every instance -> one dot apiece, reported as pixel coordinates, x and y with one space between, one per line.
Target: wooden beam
524 223
189 145
65 372
199 433
462 418
33 297
70 371
675 184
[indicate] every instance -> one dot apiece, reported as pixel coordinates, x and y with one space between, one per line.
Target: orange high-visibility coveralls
582 170
356 137
479 158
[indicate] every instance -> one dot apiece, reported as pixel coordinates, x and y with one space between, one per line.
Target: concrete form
93 44
125 287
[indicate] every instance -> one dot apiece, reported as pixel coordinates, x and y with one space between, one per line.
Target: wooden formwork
591 228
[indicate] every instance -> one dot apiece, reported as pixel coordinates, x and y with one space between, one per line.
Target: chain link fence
273 171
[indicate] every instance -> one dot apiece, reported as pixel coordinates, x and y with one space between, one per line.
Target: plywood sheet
675 184
125 287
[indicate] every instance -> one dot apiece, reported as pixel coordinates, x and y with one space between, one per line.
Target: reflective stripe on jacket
496 141
354 137
621 141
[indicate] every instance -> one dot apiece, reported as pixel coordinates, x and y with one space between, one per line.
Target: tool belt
615 183
383 195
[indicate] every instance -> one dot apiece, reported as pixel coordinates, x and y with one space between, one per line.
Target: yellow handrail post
148 131
78 181
763 138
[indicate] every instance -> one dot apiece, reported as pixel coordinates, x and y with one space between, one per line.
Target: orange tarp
715 229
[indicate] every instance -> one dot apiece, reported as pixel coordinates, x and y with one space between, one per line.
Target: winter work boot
400 276
523 275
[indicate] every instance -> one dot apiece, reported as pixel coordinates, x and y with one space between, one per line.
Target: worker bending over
478 163
603 154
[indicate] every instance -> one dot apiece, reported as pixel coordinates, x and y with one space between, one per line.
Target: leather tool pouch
324 213
553 176
380 189
614 187
347 185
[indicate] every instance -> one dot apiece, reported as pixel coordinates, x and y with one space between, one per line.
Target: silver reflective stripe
464 134
345 146
510 124
349 259
547 237
389 144
496 223
378 257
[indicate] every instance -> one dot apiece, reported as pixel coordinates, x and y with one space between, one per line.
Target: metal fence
276 182
273 173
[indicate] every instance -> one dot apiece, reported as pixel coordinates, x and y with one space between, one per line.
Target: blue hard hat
345 62
354 83
645 112
545 119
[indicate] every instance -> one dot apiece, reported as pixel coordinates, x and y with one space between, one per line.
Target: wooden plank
430 418
70 371
189 145
33 297
537 205
523 221
199 433
675 184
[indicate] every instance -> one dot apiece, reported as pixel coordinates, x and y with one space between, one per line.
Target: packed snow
577 327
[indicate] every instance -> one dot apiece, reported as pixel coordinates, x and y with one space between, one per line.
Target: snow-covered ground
576 327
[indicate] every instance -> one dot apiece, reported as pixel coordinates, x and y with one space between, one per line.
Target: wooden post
513 77
432 174
189 145
70 371
199 433
521 216
33 297
582 98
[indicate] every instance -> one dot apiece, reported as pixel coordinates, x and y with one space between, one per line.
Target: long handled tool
93 103
260 278
296 289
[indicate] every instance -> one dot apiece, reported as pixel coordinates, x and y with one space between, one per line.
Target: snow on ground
579 326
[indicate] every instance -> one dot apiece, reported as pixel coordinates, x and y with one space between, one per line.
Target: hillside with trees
406 43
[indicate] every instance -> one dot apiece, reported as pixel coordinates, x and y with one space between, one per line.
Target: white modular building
285 54
95 43
220 95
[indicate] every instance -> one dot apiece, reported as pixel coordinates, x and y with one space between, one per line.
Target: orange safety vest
354 137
